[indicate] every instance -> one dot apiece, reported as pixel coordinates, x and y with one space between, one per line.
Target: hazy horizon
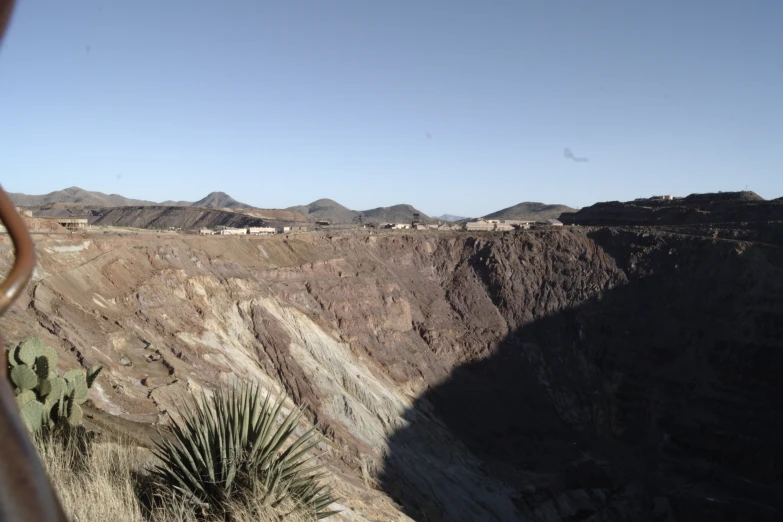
461 109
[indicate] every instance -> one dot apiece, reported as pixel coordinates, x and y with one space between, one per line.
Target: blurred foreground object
25 492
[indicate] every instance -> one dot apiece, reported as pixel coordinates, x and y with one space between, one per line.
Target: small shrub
227 450
44 398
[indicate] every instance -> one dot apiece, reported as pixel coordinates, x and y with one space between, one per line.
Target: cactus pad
71 375
51 355
53 387
77 387
29 350
23 377
41 367
76 415
25 397
33 415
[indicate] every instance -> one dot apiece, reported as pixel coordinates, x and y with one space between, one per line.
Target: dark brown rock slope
639 380
177 217
713 208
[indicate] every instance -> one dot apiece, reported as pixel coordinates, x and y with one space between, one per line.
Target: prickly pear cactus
44 398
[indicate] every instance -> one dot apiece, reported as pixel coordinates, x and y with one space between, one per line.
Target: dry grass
96 487
104 485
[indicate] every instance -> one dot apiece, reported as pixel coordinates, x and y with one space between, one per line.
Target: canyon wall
602 374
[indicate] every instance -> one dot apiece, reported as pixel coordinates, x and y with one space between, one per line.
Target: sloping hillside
274 214
219 200
168 215
530 211
742 195
178 217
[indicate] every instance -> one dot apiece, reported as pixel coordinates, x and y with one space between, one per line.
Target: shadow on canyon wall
659 400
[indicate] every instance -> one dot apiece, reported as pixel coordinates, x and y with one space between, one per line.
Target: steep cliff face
549 375
652 395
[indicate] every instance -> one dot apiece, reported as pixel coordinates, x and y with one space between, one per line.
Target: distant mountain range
79 196
75 200
450 217
530 211
75 196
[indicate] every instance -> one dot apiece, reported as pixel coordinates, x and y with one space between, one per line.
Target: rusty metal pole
26 495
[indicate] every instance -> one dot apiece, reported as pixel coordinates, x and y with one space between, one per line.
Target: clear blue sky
453 106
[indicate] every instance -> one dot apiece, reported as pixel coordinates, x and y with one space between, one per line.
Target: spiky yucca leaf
234 446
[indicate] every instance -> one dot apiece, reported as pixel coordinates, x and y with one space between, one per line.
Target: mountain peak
219 200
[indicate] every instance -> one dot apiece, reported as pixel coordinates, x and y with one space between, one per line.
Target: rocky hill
394 214
530 211
603 374
709 208
326 210
744 195
219 200
335 213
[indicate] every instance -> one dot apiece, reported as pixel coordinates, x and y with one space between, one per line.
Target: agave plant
236 446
